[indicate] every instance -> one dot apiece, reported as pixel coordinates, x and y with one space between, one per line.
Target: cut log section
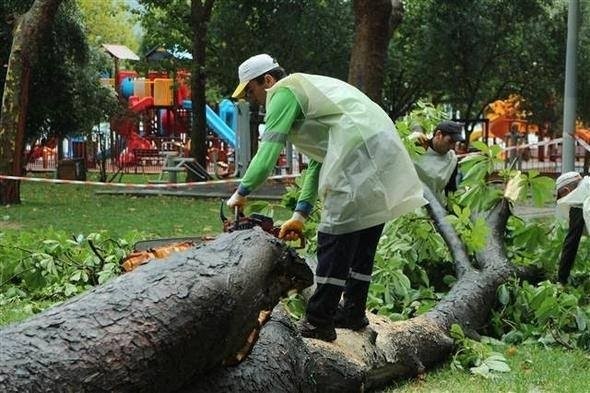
152 329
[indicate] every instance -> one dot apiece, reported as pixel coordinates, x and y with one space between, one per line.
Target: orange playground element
506 115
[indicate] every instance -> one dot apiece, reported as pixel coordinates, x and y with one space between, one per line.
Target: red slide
139 104
127 128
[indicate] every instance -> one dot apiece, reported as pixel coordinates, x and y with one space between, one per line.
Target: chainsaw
240 222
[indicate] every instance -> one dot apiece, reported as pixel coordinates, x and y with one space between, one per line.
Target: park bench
148 157
173 166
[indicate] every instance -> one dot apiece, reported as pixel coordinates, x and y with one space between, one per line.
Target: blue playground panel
216 123
126 87
229 113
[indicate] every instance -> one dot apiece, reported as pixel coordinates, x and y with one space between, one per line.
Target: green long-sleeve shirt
282 111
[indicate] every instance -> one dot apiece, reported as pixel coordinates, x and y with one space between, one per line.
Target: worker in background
573 203
437 167
357 165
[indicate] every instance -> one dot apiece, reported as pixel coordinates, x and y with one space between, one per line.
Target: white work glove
236 200
292 229
420 138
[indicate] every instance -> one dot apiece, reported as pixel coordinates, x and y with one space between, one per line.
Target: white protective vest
435 170
580 197
367 177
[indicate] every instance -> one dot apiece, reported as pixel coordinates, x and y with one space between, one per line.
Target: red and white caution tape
583 143
520 147
132 185
536 144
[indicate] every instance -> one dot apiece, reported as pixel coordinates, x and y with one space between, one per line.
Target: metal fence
544 157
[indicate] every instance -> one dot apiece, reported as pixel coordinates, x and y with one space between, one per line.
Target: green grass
19 310
78 209
534 369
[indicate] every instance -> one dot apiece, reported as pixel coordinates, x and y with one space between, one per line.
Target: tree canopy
469 53
463 53
66 96
304 35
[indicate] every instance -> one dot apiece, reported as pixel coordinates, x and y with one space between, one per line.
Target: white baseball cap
566 178
251 69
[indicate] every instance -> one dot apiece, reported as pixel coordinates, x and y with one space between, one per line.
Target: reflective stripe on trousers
345 264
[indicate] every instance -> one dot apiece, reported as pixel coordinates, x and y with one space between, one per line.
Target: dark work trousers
345 264
571 243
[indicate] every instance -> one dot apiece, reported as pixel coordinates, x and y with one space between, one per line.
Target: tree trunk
375 21
13 114
279 363
152 329
200 14
168 326
376 356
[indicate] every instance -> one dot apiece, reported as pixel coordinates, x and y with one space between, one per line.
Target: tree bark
200 14
169 325
375 21
439 217
152 329
13 114
376 356
279 363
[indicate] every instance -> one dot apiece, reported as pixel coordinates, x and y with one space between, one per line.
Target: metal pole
569 103
243 144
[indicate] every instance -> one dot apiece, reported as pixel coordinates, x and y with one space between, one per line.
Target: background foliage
66 97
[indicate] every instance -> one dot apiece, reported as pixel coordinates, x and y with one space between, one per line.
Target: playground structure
153 132
158 118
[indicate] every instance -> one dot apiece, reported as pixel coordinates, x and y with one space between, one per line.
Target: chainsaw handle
228 225
237 217
299 234
301 242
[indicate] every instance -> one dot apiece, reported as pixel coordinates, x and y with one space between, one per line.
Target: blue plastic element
127 87
219 127
216 123
229 113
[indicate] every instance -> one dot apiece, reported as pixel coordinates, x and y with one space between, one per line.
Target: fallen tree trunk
408 348
152 329
168 327
279 363
384 352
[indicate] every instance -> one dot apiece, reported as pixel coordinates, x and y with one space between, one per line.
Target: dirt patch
9 225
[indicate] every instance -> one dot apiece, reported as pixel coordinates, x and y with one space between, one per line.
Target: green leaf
581 319
503 295
497 362
456 332
546 310
76 276
539 296
482 370
70 289
541 189
479 145
479 234
475 174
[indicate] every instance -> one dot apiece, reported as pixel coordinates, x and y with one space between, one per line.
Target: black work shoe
343 320
325 333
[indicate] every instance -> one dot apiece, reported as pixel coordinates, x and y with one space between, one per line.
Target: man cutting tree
358 167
